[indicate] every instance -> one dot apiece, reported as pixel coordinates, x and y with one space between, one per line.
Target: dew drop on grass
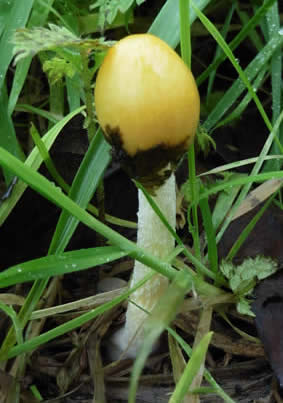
280 31
19 270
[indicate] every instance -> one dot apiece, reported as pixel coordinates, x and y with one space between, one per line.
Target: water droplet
280 31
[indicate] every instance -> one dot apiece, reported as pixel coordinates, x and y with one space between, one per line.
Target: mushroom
147 104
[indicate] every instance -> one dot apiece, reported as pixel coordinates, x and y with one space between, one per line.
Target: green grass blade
237 112
65 187
47 159
55 195
207 375
237 87
273 25
248 180
210 235
17 18
34 161
8 139
191 370
244 32
56 98
185 43
167 24
163 313
253 35
237 164
18 83
185 31
255 170
54 265
224 203
13 316
5 8
218 51
84 185
248 229
38 17
73 92
196 262
244 77
40 13
52 117
69 326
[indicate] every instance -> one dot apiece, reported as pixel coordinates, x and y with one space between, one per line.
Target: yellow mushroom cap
146 95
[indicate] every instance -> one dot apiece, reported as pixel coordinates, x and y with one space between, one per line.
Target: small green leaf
243 307
57 68
264 267
108 9
204 141
251 269
227 269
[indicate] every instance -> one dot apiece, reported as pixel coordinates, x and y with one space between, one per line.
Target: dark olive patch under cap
150 167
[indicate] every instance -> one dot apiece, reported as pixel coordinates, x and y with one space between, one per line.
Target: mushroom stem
155 238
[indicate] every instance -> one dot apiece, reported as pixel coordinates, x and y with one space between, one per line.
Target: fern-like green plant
108 9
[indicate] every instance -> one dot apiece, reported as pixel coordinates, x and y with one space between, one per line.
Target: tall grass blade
83 187
34 161
163 313
167 24
191 369
273 25
17 18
